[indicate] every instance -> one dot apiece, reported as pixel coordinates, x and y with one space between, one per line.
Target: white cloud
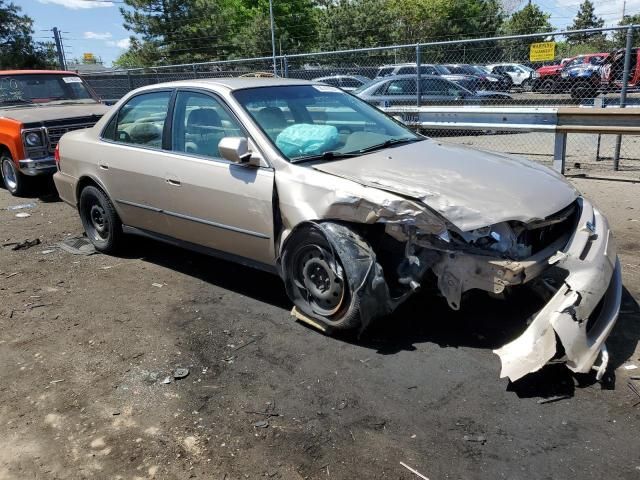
97 36
124 43
80 4
609 10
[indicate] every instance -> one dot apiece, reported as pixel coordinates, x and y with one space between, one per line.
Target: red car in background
548 76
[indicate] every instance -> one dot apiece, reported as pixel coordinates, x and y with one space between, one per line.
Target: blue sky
96 26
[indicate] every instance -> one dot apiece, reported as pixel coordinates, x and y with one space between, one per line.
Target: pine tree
586 18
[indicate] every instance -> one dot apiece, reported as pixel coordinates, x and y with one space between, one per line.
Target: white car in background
521 75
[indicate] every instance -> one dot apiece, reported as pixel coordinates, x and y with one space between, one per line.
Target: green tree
175 31
586 18
620 37
17 47
530 19
346 24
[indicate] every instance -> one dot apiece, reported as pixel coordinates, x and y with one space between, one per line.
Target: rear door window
141 120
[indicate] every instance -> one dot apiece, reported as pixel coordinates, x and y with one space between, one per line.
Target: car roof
232 83
35 72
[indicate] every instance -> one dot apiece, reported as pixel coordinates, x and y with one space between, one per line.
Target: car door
216 203
132 163
400 91
439 90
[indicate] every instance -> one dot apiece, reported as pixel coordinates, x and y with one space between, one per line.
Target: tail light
56 155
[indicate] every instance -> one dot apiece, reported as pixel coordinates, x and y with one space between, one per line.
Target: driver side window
199 123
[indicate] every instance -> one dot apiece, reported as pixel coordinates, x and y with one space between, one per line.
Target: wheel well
85 182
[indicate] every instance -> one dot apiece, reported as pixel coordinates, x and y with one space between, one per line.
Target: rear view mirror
234 149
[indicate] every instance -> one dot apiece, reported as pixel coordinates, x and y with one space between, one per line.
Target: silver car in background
354 211
348 83
402 90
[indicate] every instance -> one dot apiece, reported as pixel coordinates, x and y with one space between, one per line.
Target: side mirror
234 149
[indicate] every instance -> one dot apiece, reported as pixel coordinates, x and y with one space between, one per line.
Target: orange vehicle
37 107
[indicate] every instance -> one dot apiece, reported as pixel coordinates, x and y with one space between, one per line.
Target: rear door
214 202
132 163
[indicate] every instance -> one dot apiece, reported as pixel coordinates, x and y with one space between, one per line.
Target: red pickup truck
612 71
36 108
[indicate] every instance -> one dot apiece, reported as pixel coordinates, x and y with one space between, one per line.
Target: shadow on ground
483 322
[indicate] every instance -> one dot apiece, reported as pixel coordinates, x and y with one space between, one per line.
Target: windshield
42 88
310 121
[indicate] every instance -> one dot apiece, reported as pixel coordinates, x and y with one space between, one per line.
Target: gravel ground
87 342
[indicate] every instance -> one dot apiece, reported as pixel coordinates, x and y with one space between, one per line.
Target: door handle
175 183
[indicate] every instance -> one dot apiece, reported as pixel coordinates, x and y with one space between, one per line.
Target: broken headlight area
569 255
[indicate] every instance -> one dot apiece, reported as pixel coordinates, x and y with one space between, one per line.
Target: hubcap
318 276
9 174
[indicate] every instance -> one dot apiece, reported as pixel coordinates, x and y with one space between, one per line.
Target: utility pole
56 37
273 38
624 9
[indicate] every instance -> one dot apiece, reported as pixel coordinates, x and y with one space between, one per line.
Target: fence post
130 79
195 71
286 67
623 93
418 63
560 151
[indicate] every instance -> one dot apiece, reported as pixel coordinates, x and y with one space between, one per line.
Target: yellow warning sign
541 52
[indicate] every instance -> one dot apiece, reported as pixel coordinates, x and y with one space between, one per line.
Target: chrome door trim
196 219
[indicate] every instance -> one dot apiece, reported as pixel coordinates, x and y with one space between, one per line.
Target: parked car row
582 76
497 77
353 210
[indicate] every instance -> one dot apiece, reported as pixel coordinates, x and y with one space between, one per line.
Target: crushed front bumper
37 166
581 312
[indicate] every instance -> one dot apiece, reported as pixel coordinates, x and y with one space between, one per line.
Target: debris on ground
77 246
475 438
22 206
166 381
261 424
26 244
23 215
159 285
630 367
179 373
555 398
415 472
46 252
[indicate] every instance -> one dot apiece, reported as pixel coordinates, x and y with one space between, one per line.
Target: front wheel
100 220
317 282
14 181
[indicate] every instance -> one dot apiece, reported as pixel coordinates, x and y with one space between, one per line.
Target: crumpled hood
43 113
468 187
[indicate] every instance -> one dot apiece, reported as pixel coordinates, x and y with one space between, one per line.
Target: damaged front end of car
569 257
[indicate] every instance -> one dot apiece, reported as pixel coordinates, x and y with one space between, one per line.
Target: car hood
470 188
44 113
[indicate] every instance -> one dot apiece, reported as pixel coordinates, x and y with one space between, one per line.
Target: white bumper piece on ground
593 287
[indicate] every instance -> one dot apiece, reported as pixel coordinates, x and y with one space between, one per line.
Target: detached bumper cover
594 280
39 166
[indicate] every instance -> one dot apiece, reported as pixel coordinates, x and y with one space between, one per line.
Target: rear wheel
100 220
14 181
547 86
581 90
317 283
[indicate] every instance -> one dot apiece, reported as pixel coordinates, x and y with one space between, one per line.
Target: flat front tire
14 181
317 283
100 220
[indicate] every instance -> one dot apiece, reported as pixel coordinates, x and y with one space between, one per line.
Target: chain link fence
598 68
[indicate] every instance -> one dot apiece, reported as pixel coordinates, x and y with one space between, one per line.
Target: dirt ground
87 342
